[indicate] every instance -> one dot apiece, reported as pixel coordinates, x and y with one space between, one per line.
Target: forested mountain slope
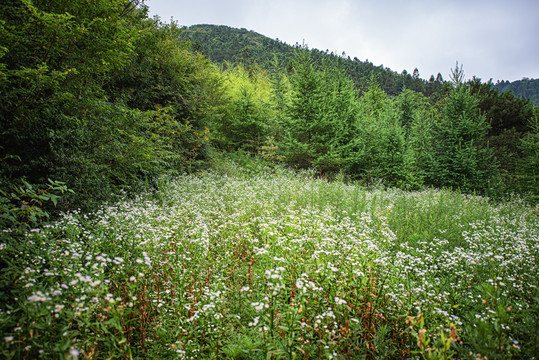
528 88
222 43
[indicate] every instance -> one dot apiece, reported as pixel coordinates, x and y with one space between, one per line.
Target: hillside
528 88
223 43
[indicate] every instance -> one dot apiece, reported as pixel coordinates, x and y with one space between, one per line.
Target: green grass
253 262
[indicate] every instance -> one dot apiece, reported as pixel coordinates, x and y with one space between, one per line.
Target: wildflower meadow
272 264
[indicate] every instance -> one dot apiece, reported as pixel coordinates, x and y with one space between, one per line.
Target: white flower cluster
327 314
259 306
255 321
276 284
39 297
146 260
303 284
340 301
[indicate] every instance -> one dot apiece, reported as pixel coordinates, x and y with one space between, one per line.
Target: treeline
225 44
528 88
468 137
99 97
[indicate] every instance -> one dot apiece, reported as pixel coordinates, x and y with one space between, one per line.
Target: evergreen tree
457 75
248 116
341 109
529 164
380 149
320 115
307 123
462 158
420 118
280 96
509 118
406 107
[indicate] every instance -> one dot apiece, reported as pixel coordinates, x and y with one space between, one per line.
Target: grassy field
269 264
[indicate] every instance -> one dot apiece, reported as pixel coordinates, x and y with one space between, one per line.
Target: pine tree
320 116
280 96
419 117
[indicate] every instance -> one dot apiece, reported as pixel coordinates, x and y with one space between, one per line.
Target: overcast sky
496 39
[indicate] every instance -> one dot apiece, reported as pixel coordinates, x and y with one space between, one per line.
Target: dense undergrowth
253 262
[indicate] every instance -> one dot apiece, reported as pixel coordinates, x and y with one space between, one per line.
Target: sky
491 39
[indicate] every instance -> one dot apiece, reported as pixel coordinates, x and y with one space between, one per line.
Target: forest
528 88
103 104
116 129
225 44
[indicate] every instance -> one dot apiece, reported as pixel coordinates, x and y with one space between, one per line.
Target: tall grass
247 262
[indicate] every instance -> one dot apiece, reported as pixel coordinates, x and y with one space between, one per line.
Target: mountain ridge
222 43
527 88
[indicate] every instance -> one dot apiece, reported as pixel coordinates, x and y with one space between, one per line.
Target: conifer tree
457 75
529 165
322 109
365 143
417 118
280 96
341 108
380 147
462 158
248 116
306 120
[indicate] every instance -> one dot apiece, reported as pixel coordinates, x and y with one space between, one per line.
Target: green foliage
25 206
315 133
509 119
248 117
225 44
306 124
99 96
381 150
180 89
320 116
280 89
461 158
104 98
527 88
163 73
529 165
420 139
503 110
